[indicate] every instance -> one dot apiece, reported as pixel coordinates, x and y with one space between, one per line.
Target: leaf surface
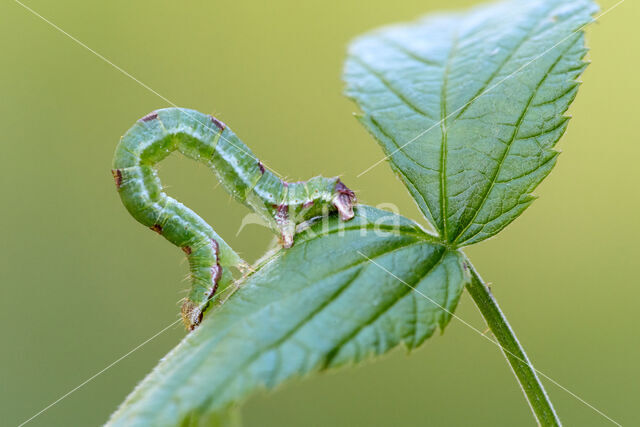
468 106
335 298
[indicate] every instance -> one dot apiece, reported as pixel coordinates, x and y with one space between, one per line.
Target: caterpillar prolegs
201 137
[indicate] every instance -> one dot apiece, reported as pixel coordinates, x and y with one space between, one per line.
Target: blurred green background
82 283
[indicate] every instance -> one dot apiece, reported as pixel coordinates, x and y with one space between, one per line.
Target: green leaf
326 302
230 417
470 105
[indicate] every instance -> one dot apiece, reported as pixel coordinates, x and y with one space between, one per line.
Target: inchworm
204 138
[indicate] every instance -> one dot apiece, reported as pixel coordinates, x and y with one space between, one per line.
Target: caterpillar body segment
203 138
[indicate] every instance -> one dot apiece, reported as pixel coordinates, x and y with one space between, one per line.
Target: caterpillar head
344 200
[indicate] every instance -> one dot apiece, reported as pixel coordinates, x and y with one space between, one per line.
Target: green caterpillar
202 137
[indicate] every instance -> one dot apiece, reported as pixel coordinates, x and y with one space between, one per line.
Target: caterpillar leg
308 199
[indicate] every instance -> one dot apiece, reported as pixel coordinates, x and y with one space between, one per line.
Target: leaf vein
408 290
389 86
511 141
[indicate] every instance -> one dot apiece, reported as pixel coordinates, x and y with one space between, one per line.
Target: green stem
522 368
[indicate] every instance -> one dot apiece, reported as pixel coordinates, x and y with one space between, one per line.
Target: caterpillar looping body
202 137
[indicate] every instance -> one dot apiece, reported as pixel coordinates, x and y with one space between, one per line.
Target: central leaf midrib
443 137
417 232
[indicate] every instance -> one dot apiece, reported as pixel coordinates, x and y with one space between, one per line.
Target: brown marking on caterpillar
186 250
117 176
218 123
197 322
216 273
215 247
308 204
157 228
150 116
282 211
192 313
261 166
213 290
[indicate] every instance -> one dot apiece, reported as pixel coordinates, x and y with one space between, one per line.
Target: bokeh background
82 284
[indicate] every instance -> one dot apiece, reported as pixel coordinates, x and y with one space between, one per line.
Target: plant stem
522 368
